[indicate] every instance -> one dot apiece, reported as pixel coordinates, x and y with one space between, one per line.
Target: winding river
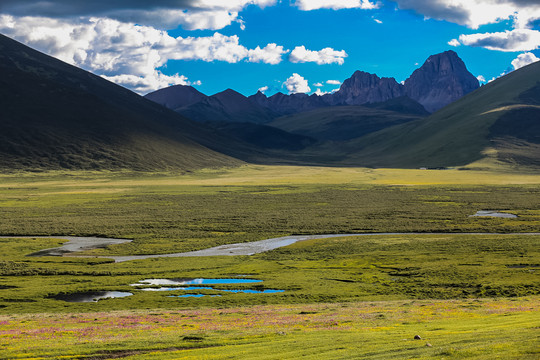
76 244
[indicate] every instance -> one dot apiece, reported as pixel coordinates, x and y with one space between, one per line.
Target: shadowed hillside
338 123
57 116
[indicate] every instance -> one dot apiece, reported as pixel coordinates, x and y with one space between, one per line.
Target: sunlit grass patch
466 328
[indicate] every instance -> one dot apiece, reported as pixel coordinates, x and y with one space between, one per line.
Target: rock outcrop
362 88
442 79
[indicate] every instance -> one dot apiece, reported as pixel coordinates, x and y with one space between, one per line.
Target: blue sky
287 46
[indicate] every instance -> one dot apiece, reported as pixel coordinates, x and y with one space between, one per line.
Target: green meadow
467 295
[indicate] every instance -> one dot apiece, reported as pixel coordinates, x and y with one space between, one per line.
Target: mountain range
56 116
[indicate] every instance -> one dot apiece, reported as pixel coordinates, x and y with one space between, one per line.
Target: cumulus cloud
270 54
297 84
510 40
325 56
318 84
126 53
190 14
263 89
454 42
524 60
145 84
333 82
319 92
473 13
308 5
481 78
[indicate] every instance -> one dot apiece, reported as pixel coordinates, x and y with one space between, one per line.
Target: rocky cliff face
362 88
442 79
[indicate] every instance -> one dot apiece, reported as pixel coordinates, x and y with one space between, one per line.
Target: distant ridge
441 80
229 106
497 124
176 96
56 116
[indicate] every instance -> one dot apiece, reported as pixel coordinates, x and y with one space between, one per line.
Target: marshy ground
469 296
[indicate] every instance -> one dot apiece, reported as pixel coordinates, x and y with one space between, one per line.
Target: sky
291 46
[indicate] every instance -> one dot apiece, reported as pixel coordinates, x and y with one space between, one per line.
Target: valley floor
466 296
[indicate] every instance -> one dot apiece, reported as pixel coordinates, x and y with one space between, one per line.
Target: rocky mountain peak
441 80
363 87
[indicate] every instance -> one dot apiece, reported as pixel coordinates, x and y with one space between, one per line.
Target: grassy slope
340 122
472 329
459 134
57 116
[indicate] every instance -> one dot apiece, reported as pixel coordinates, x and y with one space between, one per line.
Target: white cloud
325 56
333 82
481 78
378 21
473 13
297 84
308 5
510 40
270 54
454 42
524 60
146 84
318 84
319 92
127 53
263 89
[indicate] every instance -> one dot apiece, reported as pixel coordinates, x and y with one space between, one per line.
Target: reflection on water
94 296
198 281
201 281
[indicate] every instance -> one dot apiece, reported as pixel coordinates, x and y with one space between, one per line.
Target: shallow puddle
201 281
198 281
94 296
489 213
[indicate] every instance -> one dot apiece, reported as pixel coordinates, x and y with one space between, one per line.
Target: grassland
472 329
470 296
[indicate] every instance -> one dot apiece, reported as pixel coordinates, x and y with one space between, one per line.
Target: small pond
198 281
169 286
93 296
490 213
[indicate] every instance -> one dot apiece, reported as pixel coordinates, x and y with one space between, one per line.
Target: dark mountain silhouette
228 106
236 117
57 116
282 104
176 96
